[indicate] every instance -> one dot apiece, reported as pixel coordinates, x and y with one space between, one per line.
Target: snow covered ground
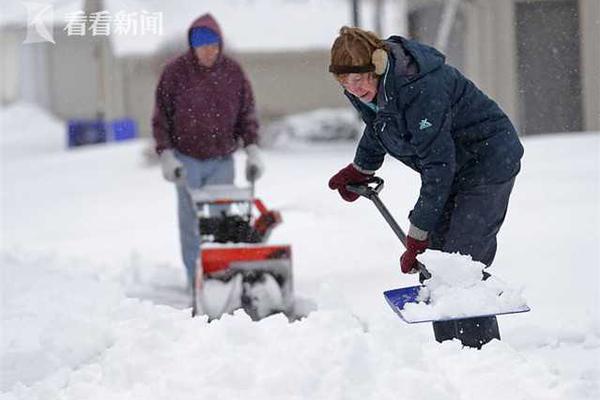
93 305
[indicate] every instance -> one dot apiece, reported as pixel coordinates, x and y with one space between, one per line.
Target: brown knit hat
357 51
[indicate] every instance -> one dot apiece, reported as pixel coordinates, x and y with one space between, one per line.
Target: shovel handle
366 189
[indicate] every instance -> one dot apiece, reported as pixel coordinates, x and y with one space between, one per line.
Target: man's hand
254 164
348 175
172 168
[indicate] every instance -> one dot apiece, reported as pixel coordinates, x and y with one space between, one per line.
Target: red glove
408 261
345 176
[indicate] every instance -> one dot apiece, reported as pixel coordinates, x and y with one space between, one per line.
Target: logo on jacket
424 124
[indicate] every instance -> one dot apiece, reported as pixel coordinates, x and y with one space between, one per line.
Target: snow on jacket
204 112
440 124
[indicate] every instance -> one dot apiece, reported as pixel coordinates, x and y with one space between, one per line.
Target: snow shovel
396 298
372 193
473 331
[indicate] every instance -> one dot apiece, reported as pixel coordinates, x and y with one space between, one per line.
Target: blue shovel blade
398 298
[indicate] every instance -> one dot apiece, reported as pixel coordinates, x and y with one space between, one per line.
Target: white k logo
40 20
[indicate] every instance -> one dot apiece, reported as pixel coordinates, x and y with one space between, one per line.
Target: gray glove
254 164
172 168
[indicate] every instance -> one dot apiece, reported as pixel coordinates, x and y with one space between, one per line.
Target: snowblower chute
236 268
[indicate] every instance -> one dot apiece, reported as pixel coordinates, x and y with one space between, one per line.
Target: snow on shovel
407 297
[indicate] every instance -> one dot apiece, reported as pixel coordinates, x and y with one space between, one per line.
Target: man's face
207 55
363 86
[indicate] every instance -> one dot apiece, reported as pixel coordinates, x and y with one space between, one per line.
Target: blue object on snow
398 298
84 131
123 129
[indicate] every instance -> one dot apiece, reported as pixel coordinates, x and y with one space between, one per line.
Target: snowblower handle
372 193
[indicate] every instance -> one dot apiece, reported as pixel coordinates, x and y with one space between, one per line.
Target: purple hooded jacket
204 112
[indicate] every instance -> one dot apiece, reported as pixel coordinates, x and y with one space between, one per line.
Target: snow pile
456 289
220 297
263 297
72 335
29 130
315 126
53 321
95 227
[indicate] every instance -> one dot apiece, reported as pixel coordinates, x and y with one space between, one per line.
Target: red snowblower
236 267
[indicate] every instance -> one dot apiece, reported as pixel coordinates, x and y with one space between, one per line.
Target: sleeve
429 121
369 153
162 119
246 126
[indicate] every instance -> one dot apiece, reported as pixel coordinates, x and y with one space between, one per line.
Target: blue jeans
198 173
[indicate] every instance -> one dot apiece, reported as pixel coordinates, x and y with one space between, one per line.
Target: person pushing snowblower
204 108
204 111
426 114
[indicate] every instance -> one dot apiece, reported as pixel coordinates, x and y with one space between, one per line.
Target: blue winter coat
440 124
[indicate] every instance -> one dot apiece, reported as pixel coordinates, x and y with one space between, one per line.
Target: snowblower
472 331
236 268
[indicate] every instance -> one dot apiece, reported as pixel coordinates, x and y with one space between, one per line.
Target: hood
205 21
426 58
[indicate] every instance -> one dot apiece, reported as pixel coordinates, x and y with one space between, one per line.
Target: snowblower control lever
370 189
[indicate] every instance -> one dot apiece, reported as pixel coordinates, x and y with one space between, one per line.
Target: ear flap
379 59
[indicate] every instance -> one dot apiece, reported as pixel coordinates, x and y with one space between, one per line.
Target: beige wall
140 76
291 82
283 83
75 78
490 56
9 65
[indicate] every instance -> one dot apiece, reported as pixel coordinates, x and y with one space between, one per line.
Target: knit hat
202 36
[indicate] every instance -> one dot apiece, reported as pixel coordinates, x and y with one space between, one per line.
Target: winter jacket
204 112
438 123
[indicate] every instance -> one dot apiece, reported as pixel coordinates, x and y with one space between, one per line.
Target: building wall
141 75
483 45
480 45
492 60
424 24
590 56
549 72
85 77
292 82
9 64
75 78
490 57
579 55
283 83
